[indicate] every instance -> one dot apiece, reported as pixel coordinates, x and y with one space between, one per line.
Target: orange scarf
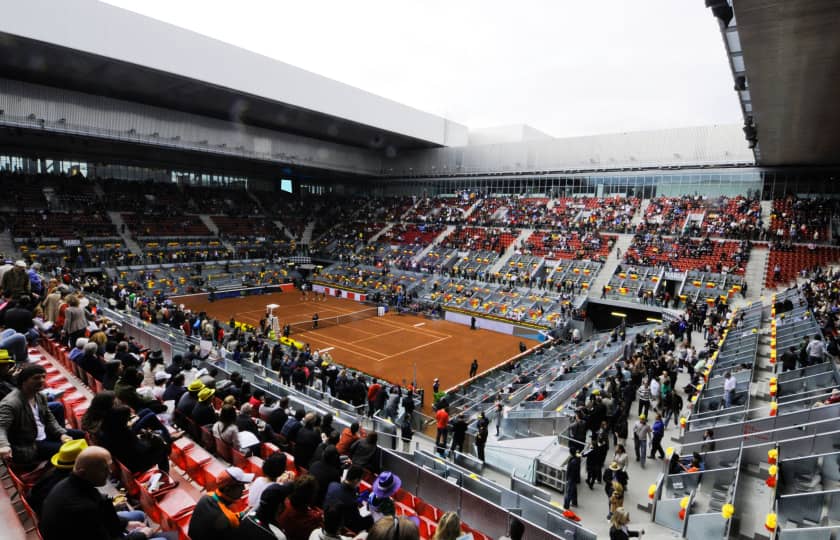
231 516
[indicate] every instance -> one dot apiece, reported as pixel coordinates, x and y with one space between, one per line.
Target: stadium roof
93 47
791 57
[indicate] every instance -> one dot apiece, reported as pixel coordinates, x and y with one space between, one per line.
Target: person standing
572 480
481 437
644 397
473 368
641 432
658 433
500 408
729 385
459 434
442 419
315 321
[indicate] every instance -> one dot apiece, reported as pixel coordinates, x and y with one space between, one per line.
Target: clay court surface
386 347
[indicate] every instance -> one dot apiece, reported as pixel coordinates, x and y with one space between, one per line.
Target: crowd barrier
484 505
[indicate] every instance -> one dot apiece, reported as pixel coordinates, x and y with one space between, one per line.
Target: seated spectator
126 391
264 523
300 516
76 505
140 445
380 500
17 316
91 362
448 528
174 389
26 438
16 344
203 414
225 428
188 400
399 528
159 385
213 518
62 466
274 470
77 351
333 522
344 495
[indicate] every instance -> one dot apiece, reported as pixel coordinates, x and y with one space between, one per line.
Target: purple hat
386 484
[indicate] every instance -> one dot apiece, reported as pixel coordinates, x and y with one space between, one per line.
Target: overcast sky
566 68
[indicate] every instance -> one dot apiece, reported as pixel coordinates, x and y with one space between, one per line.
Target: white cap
161 376
239 475
20 264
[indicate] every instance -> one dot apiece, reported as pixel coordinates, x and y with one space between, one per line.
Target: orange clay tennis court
387 347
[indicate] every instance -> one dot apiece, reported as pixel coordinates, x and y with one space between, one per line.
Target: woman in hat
379 501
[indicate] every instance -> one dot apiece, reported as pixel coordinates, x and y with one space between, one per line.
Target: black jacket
325 474
208 521
306 441
344 497
203 413
75 510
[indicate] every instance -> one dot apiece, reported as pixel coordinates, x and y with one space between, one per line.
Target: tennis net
326 322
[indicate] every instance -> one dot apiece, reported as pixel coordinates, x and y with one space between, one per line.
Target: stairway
384 229
511 249
211 225
130 243
471 209
638 216
7 245
622 242
306 237
756 271
438 239
279 224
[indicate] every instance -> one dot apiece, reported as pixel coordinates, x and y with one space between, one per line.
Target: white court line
419 324
414 348
326 350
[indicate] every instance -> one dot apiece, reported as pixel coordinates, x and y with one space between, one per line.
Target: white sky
566 68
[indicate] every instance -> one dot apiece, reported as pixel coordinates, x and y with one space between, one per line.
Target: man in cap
212 518
29 432
16 282
76 509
